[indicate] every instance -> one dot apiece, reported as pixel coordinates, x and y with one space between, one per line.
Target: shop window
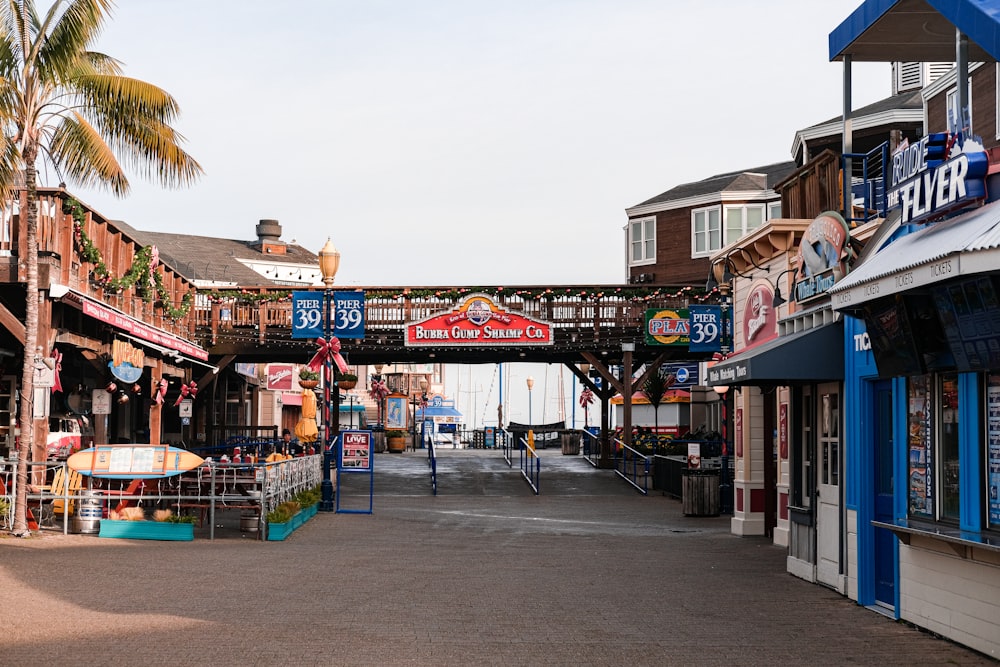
933 446
642 241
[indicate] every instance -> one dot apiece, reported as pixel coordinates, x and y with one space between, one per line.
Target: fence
632 466
208 489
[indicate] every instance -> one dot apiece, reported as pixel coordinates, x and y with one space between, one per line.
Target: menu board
970 314
993 446
920 491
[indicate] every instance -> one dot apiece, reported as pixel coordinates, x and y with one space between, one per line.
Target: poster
355 453
395 412
920 480
993 447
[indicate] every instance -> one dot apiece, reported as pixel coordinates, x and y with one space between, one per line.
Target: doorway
885 541
828 485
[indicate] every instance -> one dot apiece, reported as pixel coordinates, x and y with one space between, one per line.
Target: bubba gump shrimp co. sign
478 321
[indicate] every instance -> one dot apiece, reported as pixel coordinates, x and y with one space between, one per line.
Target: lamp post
531 384
329 262
725 493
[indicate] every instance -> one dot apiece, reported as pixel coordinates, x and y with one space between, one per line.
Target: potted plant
133 525
395 440
347 380
308 379
283 519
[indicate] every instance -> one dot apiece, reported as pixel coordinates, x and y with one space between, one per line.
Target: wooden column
155 409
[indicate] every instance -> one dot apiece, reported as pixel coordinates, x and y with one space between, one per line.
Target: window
740 220
706 231
642 241
774 210
933 446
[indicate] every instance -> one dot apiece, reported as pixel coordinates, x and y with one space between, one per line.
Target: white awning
964 245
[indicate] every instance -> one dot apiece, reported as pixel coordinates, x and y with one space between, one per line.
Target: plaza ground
485 573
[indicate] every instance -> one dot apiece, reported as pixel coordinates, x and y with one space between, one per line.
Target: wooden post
155 409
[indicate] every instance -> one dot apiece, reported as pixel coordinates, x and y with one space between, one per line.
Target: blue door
885 541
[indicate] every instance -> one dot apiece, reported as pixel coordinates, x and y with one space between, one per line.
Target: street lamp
725 495
531 384
329 262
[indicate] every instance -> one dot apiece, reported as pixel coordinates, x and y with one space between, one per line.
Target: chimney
269 238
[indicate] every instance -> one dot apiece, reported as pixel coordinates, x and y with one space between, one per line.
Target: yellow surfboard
133 461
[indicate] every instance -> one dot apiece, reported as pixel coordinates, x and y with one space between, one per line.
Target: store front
923 388
788 412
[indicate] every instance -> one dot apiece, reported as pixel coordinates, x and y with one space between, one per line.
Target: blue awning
431 411
965 245
918 30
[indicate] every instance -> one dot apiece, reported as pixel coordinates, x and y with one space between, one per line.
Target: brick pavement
589 573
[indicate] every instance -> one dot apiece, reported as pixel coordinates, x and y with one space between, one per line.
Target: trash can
570 443
88 513
700 492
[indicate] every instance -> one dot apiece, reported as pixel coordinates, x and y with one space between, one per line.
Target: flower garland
247 296
142 275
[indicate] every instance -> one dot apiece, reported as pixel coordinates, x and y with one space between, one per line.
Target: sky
469 142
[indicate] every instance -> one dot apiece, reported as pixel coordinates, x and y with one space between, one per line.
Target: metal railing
208 489
506 446
632 466
432 462
530 472
591 447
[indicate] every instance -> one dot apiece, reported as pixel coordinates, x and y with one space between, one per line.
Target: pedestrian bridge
255 324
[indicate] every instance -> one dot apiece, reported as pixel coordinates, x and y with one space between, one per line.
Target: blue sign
685 373
706 328
349 314
307 315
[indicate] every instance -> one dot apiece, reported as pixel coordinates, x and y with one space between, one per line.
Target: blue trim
900 438
970 453
979 20
860 20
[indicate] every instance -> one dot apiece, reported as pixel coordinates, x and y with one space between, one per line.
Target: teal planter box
147 530
277 532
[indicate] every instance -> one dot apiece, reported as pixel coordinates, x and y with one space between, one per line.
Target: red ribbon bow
56 382
160 392
586 397
328 349
186 390
379 391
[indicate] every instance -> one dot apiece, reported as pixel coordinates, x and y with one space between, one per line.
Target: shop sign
139 330
279 377
759 322
100 402
478 321
667 327
941 172
823 254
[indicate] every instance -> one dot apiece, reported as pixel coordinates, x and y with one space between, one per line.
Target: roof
757 178
907 100
213 258
918 30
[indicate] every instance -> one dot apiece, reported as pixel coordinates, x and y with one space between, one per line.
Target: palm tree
653 389
70 108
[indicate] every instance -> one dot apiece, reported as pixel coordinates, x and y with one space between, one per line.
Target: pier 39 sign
478 321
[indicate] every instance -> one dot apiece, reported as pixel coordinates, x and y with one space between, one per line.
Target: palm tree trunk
27 417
